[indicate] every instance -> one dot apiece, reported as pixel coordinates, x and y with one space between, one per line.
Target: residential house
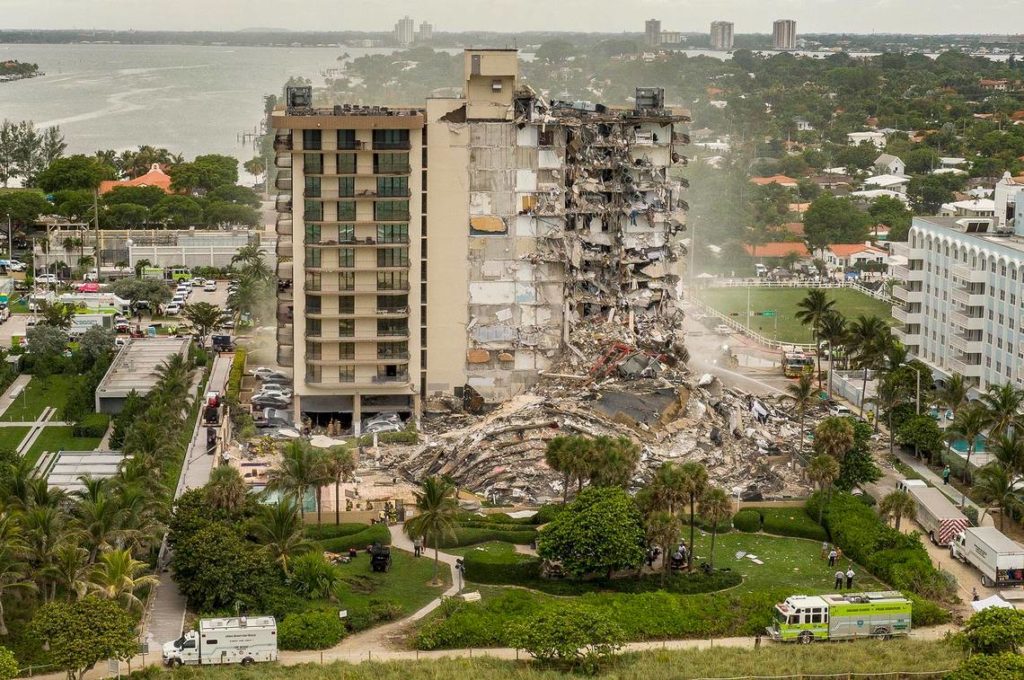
840 257
1000 85
156 177
778 250
888 164
874 137
781 180
803 125
895 183
869 195
975 207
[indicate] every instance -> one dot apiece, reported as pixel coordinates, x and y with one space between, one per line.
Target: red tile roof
848 249
781 180
778 249
156 177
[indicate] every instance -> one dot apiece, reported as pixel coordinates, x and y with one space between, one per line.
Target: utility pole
96 223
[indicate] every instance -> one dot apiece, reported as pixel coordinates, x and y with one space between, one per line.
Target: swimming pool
272 497
960 445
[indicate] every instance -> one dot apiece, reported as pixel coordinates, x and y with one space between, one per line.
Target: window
392 327
314 350
346 305
313 328
346 233
312 139
391 163
347 140
347 374
312 187
346 163
392 186
211 642
392 233
313 305
313 373
815 617
347 281
347 257
346 328
393 257
313 163
393 280
346 351
346 210
391 139
312 233
546 137
346 187
393 350
314 210
392 303
312 280
313 257
391 211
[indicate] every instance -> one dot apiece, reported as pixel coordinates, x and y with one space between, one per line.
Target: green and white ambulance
804 619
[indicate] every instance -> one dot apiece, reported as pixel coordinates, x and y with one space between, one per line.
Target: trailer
999 559
940 519
243 640
849 616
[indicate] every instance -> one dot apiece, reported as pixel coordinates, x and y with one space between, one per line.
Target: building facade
405 31
960 298
426 32
518 217
652 32
784 34
721 35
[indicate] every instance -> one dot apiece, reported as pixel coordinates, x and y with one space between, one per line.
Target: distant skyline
606 16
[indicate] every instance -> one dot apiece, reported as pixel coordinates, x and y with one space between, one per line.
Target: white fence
757 337
880 294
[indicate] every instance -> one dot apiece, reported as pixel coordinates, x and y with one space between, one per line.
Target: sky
749 16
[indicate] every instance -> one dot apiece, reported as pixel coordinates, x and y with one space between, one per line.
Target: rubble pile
613 382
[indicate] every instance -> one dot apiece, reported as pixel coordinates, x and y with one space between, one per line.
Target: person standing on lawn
839 580
849 578
832 557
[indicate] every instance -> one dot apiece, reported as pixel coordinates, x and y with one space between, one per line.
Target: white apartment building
721 35
784 34
960 297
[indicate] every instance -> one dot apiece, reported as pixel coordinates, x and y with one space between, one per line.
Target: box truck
243 640
848 616
940 519
999 559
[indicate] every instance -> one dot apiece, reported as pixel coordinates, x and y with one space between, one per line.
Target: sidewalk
935 480
16 387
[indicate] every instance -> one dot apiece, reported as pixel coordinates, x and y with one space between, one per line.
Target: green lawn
733 301
10 437
40 393
60 439
408 583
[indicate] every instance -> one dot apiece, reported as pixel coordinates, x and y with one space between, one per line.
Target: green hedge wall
791 522
378 533
484 567
747 520
473 535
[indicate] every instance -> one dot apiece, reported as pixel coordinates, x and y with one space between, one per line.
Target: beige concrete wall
490 83
447 259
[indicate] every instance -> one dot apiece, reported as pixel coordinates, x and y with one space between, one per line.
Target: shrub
927 613
313 576
92 425
310 630
971 513
569 636
985 667
236 373
747 520
994 631
473 535
546 513
377 533
724 527
382 611
486 567
791 522
325 531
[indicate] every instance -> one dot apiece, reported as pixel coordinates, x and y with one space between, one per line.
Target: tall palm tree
823 471
968 425
615 461
714 507
278 528
101 524
869 340
69 570
1003 403
694 482
14 570
802 394
226 489
116 576
669 487
810 312
887 399
300 468
436 509
834 331
998 487
43 529
341 464
557 457
834 437
662 529
1008 451
953 393
897 505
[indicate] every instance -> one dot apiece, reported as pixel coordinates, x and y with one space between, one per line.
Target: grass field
60 439
407 583
40 393
10 437
785 326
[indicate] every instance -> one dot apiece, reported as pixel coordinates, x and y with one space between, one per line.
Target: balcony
286 356
284 225
285 271
285 294
285 314
904 250
354 267
971 368
352 361
968 274
283 204
394 313
968 298
373 194
385 379
910 336
908 296
283 160
967 344
283 141
903 273
386 336
907 317
356 242
283 181
392 170
392 146
286 335
284 248
968 322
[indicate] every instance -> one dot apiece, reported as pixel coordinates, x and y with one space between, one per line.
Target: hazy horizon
920 17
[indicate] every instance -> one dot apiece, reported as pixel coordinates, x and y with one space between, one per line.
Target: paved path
33 423
20 383
166 615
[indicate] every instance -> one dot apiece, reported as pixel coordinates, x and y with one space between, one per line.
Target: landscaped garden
51 390
11 437
59 438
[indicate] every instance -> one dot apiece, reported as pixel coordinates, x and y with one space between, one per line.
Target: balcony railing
286 356
284 248
397 356
283 141
384 379
392 310
285 271
283 181
283 204
392 170
969 274
283 160
286 335
392 146
284 225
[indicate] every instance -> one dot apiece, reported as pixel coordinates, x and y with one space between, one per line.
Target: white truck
999 559
940 519
243 640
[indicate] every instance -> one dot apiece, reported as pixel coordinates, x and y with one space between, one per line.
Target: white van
243 640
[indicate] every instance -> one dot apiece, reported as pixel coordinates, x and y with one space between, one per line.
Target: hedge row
472 535
515 569
325 531
377 533
310 630
791 522
747 520
92 425
236 373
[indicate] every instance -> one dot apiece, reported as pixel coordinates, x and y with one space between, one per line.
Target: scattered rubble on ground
613 382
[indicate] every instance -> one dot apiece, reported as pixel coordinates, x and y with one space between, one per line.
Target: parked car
172 309
46 278
273 417
270 401
385 422
275 388
839 411
261 371
210 286
723 329
123 327
198 282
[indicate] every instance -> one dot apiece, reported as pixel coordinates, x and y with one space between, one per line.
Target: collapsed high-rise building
450 249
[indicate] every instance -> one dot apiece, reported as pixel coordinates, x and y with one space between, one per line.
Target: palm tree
14 569
69 570
278 528
802 393
100 523
43 529
204 317
810 312
1008 450
1003 403
340 463
615 461
897 505
998 487
869 340
715 506
834 437
953 393
557 456
436 509
668 487
694 481
116 577
300 468
226 489
823 471
662 529
253 264
140 266
887 399
968 425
